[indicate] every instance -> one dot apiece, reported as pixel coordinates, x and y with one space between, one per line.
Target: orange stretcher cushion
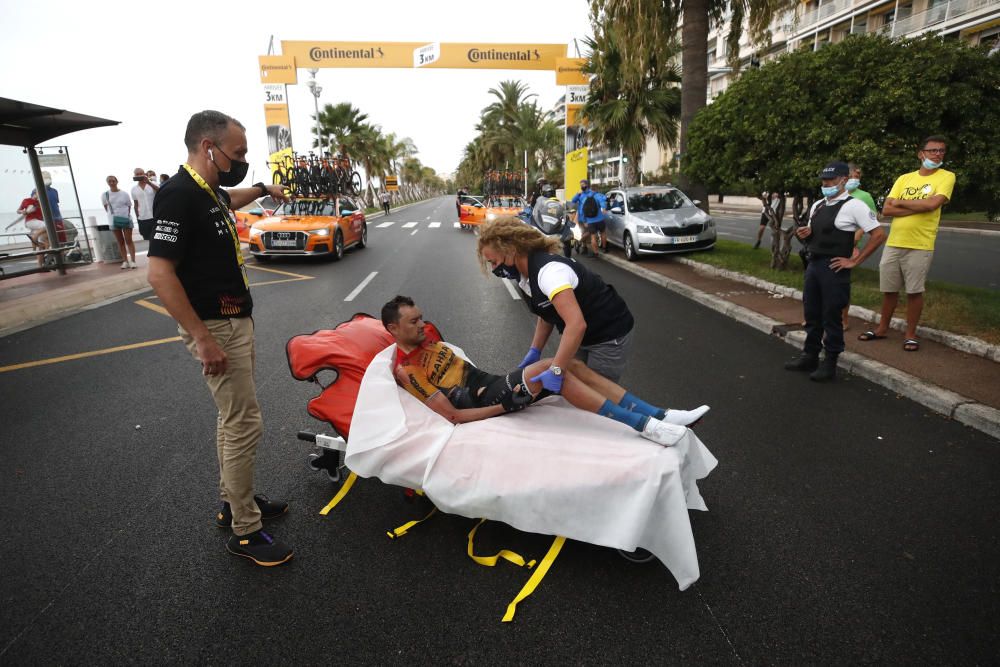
346 350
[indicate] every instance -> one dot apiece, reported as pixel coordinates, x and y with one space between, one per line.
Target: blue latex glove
550 381
533 355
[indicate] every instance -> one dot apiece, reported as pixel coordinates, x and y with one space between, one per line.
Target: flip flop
870 335
911 345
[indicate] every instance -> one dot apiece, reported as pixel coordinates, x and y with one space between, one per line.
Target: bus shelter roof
26 124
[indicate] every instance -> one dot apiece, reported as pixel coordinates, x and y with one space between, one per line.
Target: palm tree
624 108
340 125
653 23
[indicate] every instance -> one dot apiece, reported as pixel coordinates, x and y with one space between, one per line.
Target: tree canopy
869 100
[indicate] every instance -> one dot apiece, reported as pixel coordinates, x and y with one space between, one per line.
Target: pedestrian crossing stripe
457 225
435 224
407 225
386 224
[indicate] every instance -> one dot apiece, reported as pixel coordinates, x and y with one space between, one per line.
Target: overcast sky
151 65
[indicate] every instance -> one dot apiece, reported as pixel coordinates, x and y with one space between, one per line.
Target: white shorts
35 225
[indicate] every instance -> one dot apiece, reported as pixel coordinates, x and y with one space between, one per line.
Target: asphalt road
846 525
959 257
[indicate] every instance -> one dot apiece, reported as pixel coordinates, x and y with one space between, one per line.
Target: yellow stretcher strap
536 577
399 532
490 561
340 494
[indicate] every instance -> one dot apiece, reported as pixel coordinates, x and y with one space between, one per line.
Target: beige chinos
239 426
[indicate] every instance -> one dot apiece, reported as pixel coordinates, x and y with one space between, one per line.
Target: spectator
774 203
151 179
42 238
386 198
914 204
196 269
30 211
143 194
119 207
164 178
829 241
854 188
591 209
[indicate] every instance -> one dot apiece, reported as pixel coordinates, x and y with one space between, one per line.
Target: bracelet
262 188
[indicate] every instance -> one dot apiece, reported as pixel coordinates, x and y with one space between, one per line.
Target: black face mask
507 271
237 171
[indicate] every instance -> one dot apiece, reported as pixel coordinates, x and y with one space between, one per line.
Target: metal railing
934 16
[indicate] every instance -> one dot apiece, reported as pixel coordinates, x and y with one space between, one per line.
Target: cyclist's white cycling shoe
663 433
686 417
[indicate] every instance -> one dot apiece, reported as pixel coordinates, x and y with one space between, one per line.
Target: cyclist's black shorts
484 389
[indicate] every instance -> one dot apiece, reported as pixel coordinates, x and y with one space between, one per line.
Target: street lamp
315 90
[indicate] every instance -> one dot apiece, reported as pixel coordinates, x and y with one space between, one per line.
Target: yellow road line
284 273
152 306
84 355
275 282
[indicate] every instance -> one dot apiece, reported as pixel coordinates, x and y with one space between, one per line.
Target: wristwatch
555 370
262 188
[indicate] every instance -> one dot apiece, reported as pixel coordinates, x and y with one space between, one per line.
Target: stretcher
551 469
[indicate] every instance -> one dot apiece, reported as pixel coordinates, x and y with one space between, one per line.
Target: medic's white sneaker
685 417
663 433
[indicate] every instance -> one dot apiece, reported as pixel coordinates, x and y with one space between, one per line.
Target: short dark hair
208 123
390 311
936 138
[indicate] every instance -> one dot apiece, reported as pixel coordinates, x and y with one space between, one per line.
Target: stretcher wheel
640 555
328 462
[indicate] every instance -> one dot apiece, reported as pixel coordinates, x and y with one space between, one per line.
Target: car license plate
283 243
685 239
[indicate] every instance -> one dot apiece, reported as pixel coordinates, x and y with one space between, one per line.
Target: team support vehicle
325 227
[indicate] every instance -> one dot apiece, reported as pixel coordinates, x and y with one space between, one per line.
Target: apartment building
811 25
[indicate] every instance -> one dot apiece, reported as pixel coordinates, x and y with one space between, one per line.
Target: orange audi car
474 212
310 227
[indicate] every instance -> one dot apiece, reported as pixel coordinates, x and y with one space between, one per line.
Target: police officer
829 242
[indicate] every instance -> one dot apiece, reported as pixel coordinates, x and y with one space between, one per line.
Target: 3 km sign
278 71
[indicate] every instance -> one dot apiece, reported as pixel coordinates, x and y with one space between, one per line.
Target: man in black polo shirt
196 269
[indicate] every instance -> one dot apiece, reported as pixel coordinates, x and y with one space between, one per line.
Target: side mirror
617 210
256 211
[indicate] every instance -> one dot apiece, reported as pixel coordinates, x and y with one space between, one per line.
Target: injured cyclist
460 392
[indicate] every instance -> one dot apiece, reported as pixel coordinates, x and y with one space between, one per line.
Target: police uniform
826 291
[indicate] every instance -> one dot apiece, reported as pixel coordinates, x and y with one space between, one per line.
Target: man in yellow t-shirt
914 204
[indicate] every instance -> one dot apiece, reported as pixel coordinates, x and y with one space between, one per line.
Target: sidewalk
956 376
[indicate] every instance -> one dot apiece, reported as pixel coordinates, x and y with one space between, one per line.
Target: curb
967 344
943 401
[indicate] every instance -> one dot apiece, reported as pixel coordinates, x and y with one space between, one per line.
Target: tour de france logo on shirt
920 192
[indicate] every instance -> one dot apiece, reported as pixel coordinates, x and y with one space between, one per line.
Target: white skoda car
656 220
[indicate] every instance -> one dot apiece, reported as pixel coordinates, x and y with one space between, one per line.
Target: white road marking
364 283
386 224
414 232
433 225
514 292
407 225
457 225
728 234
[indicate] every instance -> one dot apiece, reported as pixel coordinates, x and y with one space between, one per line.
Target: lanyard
225 214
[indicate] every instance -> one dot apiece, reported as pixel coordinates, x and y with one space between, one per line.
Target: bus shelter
28 125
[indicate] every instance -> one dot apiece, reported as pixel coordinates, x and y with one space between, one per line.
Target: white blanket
549 469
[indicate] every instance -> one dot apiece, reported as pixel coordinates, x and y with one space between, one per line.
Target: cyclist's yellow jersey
430 368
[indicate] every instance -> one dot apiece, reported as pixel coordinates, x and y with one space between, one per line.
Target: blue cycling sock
618 413
636 404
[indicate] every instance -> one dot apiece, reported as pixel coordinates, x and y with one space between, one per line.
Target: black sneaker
259 547
268 510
